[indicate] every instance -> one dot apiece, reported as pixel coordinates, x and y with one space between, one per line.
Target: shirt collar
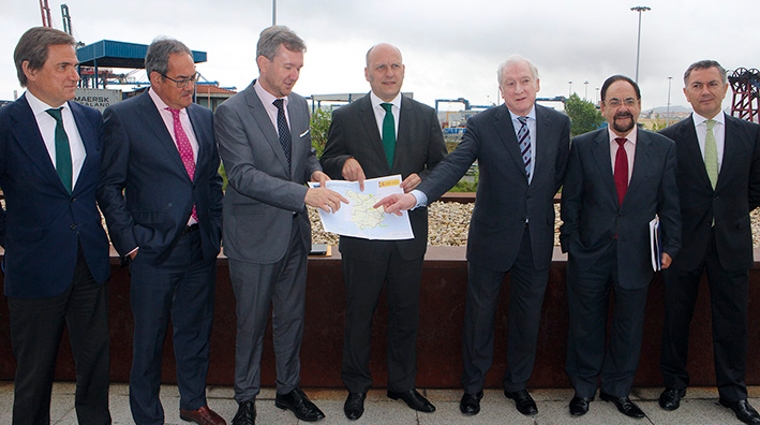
631 137
699 119
266 97
160 104
39 107
376 101
531 114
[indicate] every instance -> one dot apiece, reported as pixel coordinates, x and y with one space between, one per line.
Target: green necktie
389 133
711 153
62 150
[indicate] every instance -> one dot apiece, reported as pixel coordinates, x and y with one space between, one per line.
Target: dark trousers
182 289
364 281
36 329
281 285
728 299
588 297
526 297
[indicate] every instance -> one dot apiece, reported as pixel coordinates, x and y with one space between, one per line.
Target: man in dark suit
512 228
56 252
264 140
719 185
618 179
381 134
161 194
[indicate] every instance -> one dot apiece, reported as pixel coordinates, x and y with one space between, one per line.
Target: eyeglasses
630 102
183 82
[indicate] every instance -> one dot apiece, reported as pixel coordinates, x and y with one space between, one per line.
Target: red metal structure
46 22
745 84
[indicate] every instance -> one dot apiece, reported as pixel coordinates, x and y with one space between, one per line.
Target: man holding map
382 134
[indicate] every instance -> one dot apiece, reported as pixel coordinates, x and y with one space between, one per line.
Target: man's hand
394 204
666 260
321 177
324 199
410 182
353 171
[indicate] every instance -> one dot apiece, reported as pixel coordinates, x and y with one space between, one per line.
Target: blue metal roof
118 54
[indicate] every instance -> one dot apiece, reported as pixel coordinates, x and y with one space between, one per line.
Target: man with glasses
161 194
618 179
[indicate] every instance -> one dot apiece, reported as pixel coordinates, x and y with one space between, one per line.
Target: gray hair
271 38
33 47
705 64
157 57
514 60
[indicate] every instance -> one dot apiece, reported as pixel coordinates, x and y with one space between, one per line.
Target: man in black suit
719 185
359 147
512 228
56 252
618 179
161 194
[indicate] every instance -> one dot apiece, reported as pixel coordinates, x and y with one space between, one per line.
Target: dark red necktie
621 169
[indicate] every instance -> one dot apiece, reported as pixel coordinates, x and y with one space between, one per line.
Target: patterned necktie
621 169
282 128
62 150
523 136
185 150
711 153
389 133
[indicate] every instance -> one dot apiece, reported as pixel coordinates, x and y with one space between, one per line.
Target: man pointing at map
382 134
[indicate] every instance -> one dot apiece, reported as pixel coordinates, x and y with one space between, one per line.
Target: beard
620 127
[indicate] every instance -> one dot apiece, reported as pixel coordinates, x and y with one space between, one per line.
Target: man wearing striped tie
522 151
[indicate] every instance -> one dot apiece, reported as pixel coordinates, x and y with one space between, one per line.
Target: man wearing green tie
383 133
719 185
56 252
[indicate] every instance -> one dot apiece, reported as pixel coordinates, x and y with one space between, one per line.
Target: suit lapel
604 163
367 117
542 155
261 117
688 145
27 134
153 121
734 150
506 131
90 138
204 140
641 160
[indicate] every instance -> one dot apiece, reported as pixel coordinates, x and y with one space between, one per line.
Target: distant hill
674 109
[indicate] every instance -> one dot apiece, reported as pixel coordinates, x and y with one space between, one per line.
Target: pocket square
304 133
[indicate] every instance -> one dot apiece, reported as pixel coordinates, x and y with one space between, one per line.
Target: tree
319 126
584 116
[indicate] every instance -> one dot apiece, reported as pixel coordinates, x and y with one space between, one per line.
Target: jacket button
73 226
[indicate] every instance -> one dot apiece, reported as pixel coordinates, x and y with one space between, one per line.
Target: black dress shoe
624 405
470 403
297 402
354 405
413 399
744 412
246 414
579 405
670 399
523 401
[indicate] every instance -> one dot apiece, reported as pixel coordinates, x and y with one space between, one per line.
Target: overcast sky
451 49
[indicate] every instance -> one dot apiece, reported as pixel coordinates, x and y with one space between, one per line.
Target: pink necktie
621 169
185 150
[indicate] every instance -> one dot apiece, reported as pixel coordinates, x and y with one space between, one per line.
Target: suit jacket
42 223
263 194
737 193
145 192
593 218
419 147
504 199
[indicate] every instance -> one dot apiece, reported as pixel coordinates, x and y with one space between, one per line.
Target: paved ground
699 408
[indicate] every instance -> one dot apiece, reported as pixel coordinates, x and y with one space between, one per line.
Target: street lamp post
585 96
569 89
274 14
638 44
670 80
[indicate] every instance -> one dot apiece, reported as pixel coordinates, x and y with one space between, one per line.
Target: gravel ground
449 221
